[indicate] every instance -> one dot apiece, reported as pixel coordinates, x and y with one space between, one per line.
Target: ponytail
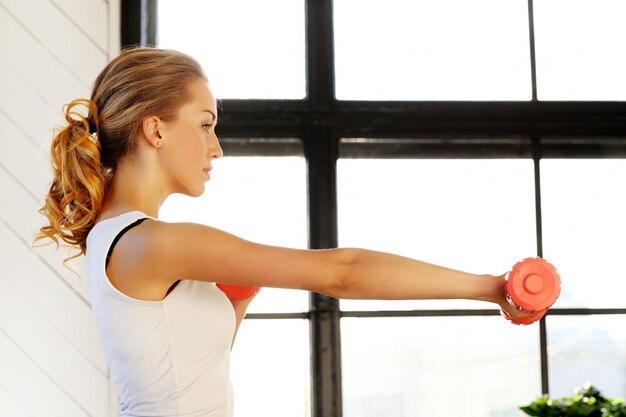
76 194
137 83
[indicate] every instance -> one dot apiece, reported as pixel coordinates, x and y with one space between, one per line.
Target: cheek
195 146
187 152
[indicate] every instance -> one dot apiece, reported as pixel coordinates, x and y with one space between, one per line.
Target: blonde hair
139 82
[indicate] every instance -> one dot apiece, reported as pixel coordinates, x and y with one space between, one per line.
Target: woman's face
189 142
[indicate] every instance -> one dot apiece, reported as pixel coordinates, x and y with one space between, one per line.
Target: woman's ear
150 129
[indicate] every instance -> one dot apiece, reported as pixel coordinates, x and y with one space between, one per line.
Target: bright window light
248 48
440 367
270 369
472 215
262 199
583 204
580 49
585 349
432 50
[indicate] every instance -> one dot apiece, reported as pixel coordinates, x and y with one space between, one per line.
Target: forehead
201 98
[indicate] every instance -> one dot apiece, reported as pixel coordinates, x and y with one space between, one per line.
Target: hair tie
93 127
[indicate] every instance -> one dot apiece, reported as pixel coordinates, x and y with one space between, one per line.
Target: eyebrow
211 111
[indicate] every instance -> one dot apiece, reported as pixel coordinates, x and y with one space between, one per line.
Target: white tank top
168 358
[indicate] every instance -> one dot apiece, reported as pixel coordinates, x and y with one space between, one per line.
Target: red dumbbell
532 286
237 292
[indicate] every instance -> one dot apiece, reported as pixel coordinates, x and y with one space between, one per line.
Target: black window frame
392 129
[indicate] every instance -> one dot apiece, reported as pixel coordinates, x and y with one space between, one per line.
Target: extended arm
191 251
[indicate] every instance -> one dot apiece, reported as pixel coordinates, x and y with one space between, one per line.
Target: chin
197 192
192 192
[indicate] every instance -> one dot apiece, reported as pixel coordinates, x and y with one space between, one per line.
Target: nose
215 150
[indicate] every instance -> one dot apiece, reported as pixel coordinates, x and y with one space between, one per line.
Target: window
418 366
245 197
249 49
579 48
583 215
587 348
465 214
425 50
416 118
274 355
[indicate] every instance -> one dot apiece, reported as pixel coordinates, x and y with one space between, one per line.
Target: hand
513 314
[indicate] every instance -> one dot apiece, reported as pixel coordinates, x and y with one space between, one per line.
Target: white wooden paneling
25 107
24 159
36 64
47 290
21 212
88 16
10 407
76 52
28 325
35 391
115 40
51 362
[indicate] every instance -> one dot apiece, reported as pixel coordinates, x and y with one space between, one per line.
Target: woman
165 328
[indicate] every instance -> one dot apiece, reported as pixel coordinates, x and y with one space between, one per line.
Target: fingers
524 319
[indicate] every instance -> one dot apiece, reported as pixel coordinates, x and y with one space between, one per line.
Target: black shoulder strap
119 235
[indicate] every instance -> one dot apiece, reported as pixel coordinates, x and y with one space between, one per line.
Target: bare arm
378 275
169 251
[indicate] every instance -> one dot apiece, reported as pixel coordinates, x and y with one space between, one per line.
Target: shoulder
162 238
129 267
164 250
152 255
159 253
154 240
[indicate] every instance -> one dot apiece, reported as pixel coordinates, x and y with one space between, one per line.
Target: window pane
432 50
270 369
580 49
409 367
473 215
248 48
262 199
587 348
583 204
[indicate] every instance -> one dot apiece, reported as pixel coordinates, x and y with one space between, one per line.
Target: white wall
51 363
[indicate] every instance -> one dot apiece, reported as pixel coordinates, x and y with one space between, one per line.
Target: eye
207 126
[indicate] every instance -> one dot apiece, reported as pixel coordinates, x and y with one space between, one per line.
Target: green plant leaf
587 401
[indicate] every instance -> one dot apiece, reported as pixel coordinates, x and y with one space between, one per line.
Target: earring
158 144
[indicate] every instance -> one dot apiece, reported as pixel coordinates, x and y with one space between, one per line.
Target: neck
135 185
